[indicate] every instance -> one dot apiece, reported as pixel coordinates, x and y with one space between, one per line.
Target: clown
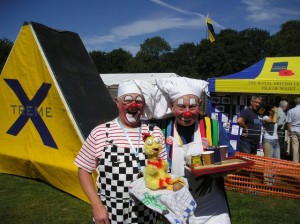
187 133
130 107
115 150
186 109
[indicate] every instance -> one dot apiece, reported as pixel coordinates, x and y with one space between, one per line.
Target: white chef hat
128 86
171 89
139 87
180 86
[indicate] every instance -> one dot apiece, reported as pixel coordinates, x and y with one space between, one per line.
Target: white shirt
270 129
293 117
281 117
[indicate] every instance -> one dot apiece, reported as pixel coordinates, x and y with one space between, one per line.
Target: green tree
137 66
5 48
256 44
151 54
231 52
116 61
119 60
154 48
184 60
100 60
220 57
286 42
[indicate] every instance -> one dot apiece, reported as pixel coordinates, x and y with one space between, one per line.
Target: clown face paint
180 102
130 108
193 102
186 109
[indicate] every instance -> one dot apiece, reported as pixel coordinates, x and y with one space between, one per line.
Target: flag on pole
210 29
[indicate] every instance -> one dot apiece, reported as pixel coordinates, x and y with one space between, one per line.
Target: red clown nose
133 106
187 114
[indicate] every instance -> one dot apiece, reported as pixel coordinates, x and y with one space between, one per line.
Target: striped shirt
95 143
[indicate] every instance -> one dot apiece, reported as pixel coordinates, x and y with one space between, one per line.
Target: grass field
30 201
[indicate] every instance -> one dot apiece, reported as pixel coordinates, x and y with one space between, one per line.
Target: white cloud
150 26
265 10
202 17
142 27
133 49
161 3
100 39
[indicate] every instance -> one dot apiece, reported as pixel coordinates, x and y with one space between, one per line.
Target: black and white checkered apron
117 169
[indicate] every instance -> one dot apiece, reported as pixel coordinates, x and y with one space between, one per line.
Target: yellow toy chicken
155 173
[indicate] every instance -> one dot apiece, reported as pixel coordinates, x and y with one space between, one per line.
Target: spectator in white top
270 140
283 105
293 126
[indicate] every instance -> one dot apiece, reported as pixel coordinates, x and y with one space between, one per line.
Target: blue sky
105 25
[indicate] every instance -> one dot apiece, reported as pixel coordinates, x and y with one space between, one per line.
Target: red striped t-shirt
93 146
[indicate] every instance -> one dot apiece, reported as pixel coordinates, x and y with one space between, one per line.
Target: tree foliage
5 48
232 51
151 55
118 60
153 49
286 42
101 61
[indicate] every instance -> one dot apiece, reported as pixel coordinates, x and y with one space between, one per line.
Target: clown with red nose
115 150
188 134
184 97
186 109
131 103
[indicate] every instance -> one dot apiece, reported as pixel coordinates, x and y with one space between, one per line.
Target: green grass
254 209
30 201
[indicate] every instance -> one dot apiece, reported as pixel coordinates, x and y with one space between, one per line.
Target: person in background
115 150
270 137
249 120
293 127
283 105
187 132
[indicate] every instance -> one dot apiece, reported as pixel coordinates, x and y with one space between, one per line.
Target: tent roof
269 75
77 77
116 79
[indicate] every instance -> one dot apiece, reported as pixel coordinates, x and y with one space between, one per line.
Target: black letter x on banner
35 117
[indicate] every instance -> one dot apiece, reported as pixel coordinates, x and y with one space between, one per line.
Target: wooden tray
232 163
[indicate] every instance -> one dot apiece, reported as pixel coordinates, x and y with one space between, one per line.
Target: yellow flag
210 29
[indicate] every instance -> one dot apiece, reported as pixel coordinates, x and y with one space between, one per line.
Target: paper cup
207 158
217 154
224 152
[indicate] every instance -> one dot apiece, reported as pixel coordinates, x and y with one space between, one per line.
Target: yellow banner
278 75
38 138
258 86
